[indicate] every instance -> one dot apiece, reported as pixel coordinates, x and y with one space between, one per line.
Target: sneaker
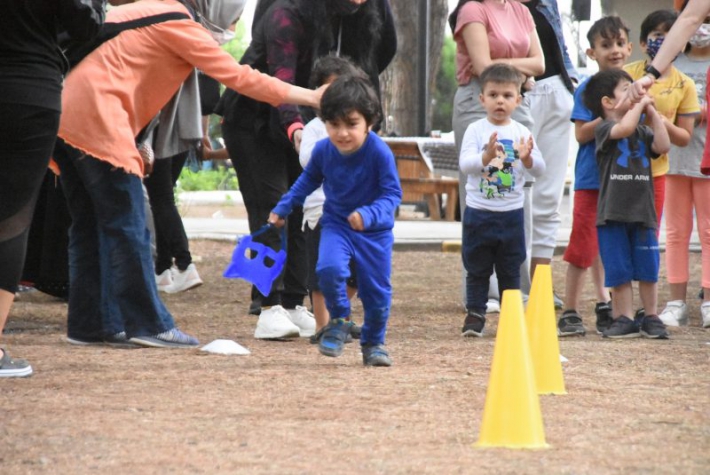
303 319
622 327
355 330
492 306
473 324
315 338
164 280
117 339
604 318
184 279
274 324
334 336
173 338
14 368
652 327
255 307
705 313
559 304
375 355
675 314
570 324
72 340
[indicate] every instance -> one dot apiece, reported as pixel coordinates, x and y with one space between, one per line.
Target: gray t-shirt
686 160
625 180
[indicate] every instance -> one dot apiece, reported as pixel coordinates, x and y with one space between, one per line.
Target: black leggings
27 136
170 237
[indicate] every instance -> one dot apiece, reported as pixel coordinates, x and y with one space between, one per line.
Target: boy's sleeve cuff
293 128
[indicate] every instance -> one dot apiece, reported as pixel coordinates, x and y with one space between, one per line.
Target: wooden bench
418 180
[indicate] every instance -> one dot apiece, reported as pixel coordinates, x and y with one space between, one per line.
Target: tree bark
400 94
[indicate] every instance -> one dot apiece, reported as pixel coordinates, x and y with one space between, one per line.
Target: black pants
170 237
27 136
266 167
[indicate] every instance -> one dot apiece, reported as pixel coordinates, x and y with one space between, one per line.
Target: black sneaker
473 324
652 327
622 327
570 324
334 336
604 318
375 355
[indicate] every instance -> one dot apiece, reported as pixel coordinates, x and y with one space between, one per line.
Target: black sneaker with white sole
570 324
653 327
604 318
473 324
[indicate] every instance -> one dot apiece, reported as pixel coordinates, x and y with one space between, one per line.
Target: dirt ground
635 406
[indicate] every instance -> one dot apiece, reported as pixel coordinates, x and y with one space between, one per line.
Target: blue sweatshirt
365 181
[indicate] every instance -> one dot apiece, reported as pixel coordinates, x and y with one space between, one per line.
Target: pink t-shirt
508 25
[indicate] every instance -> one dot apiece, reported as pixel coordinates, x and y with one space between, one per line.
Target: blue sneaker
334 337
173 338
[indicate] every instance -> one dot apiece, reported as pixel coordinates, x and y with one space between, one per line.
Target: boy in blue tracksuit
361 185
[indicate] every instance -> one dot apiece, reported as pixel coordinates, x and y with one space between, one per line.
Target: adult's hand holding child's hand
356 222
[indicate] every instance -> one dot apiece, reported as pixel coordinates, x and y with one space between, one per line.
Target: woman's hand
638 89
276 220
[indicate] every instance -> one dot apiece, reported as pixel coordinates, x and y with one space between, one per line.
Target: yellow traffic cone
542 334
512 416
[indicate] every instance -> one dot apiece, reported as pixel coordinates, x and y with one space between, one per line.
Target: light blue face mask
652 46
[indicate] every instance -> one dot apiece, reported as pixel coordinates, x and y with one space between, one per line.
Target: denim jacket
549 10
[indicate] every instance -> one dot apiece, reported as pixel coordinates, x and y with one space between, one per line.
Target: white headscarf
218 15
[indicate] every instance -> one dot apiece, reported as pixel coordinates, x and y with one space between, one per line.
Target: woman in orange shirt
108 98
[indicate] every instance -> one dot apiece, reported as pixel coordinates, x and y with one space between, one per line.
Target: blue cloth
491 240
365 181
551 13
629 251
586 172
111 278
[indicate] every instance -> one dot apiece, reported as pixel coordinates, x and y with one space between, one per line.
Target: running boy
609 46
626 217
494 154
325 70
361 185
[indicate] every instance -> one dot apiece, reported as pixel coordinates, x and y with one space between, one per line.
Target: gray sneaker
14 368
169 339
375 355
570 324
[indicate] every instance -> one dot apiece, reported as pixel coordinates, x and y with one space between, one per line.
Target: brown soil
634 406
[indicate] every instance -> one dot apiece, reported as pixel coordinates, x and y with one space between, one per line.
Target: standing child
495 151
674 95
361 185
325 71
689 190
609 46
626 218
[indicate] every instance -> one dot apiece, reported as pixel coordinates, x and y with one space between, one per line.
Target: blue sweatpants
372 254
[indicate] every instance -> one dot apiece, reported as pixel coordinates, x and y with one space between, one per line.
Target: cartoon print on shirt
498 177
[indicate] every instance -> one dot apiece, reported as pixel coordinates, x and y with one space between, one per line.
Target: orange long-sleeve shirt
118 88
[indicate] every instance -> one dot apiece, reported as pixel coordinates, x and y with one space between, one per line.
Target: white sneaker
184 280
275 323
303 319
164 280
705 312
492 306
675 314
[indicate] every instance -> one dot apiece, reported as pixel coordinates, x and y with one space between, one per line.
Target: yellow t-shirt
675 95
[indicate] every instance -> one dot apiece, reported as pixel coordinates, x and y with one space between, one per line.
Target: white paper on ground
563 359
225 347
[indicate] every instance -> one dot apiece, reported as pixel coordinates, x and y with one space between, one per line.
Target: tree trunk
401 97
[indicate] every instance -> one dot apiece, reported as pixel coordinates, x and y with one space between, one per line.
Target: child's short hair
331 65
608 27
602 84
501 74
659 20
350 93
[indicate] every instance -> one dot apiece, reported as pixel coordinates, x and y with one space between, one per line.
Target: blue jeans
111 273
491 240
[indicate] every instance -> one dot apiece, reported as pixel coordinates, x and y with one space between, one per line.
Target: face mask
701 38
652 47
344 7
220 35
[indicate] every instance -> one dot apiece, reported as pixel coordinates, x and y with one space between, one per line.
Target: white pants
551 106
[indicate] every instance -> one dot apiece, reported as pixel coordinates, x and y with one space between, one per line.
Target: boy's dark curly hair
332 66
350 93
601 85
659 20
608 27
